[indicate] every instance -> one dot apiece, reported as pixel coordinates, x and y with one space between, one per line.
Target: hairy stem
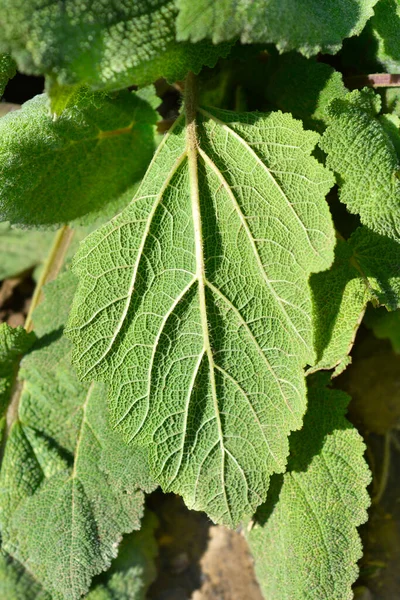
51 268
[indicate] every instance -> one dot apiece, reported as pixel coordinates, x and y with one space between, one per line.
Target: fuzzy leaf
82 162
197 311
7 71
99 44
361 149
310 27
61 515
305 543
366 269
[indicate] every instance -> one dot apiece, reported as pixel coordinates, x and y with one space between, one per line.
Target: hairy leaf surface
305 543
73 167
311 26
16 583
362 149
385 26
101 44
14 343
61 514
366 268
194 304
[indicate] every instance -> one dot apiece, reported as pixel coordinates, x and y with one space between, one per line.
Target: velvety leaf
99 44
305 542
16 583
311 26
7 71
194 305
366 268
61 515
83 162
361 149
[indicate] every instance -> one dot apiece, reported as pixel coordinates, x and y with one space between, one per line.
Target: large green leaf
101 44
75 166
194 304
310 26
305 543
366 268
62 516
16 583
385 28
362 149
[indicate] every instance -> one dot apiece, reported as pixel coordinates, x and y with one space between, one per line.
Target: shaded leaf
7 71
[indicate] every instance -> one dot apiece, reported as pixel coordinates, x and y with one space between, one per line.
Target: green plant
191 342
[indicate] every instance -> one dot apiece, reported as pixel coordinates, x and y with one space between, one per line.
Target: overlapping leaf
14 343
385 27
362 149
366 268
21 250
99 44
61 515
76 166
194 304
305 543
310 27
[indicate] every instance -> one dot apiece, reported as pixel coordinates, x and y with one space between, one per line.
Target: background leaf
304 542
60 514
102 45
84 162
311 26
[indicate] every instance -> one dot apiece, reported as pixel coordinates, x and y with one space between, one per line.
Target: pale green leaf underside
305 543
61 515
73 167
361 149
366 269
310 26
101 44
197 311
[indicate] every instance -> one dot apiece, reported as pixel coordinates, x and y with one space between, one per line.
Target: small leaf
194 305
7 71
83 162
360 148
366 269
61 515
14 343
310 27
305 543
104 46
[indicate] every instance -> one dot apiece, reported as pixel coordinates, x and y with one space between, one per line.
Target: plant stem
51 268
